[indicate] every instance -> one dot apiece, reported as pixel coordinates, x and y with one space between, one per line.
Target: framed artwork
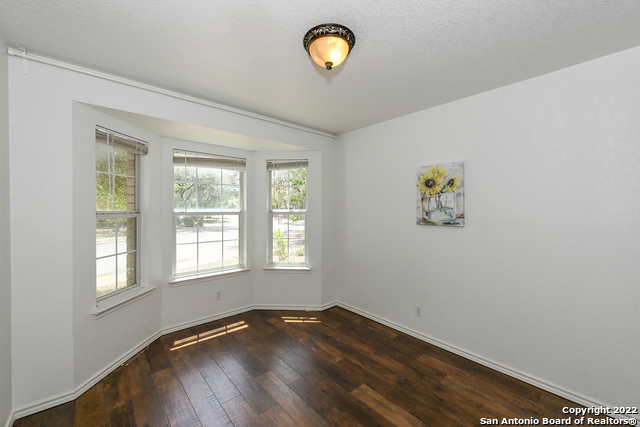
440 194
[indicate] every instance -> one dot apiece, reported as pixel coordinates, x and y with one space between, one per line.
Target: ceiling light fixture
329 44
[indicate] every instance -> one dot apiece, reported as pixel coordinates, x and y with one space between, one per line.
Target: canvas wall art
440 194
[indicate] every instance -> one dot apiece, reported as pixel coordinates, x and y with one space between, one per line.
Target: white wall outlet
418 310
218 295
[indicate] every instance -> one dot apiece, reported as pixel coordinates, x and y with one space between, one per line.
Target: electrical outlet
218 295
418 310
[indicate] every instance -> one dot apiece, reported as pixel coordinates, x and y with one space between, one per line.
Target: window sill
188 280
286 269
116 302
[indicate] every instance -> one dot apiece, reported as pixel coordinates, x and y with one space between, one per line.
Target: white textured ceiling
409 54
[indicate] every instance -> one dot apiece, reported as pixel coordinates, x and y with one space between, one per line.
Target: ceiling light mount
329 44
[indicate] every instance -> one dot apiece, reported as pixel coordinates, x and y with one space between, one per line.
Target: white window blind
186 158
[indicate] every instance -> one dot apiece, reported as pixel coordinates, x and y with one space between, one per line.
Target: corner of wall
6 412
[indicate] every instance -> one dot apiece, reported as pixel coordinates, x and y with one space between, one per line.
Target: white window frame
138 148
285 164
241 213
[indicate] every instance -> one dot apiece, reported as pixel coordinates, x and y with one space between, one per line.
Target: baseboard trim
207 319
294 307
551 388
11 420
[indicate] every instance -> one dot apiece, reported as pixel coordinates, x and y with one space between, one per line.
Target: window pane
120 161
105 276
231 253
279 178
231 197
121 194
231 227
190 173
186 230
209 175
296 248
231 177
296 226
186 258
105 237
280 249
104 199
298 176
102 157
132 269
208 196
126 270
179 173
209 255
279 197
184 194
178 202
126 235
280 225
298 197
210 228
288 194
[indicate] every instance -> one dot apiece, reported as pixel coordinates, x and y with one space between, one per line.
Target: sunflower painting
440 194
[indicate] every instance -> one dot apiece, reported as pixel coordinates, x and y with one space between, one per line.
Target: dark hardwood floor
293 368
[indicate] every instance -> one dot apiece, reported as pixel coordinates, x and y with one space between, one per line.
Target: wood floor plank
495 377
270 360
117 390
524 407
123 416
157 357
323 405
435 412
218 382
356 319
277 417
246 384
300 335
202 399
354 346
247 359
60 416
316 374
314 361
386 346
174 399
89 408
241 413
147 406
34 420
299 411
386 408
327 320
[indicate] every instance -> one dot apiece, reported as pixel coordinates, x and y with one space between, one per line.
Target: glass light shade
329 49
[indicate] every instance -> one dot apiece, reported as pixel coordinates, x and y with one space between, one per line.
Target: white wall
52 226
5 247
543 278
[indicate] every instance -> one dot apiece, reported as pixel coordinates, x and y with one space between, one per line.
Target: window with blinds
287 212
208 213
117 211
